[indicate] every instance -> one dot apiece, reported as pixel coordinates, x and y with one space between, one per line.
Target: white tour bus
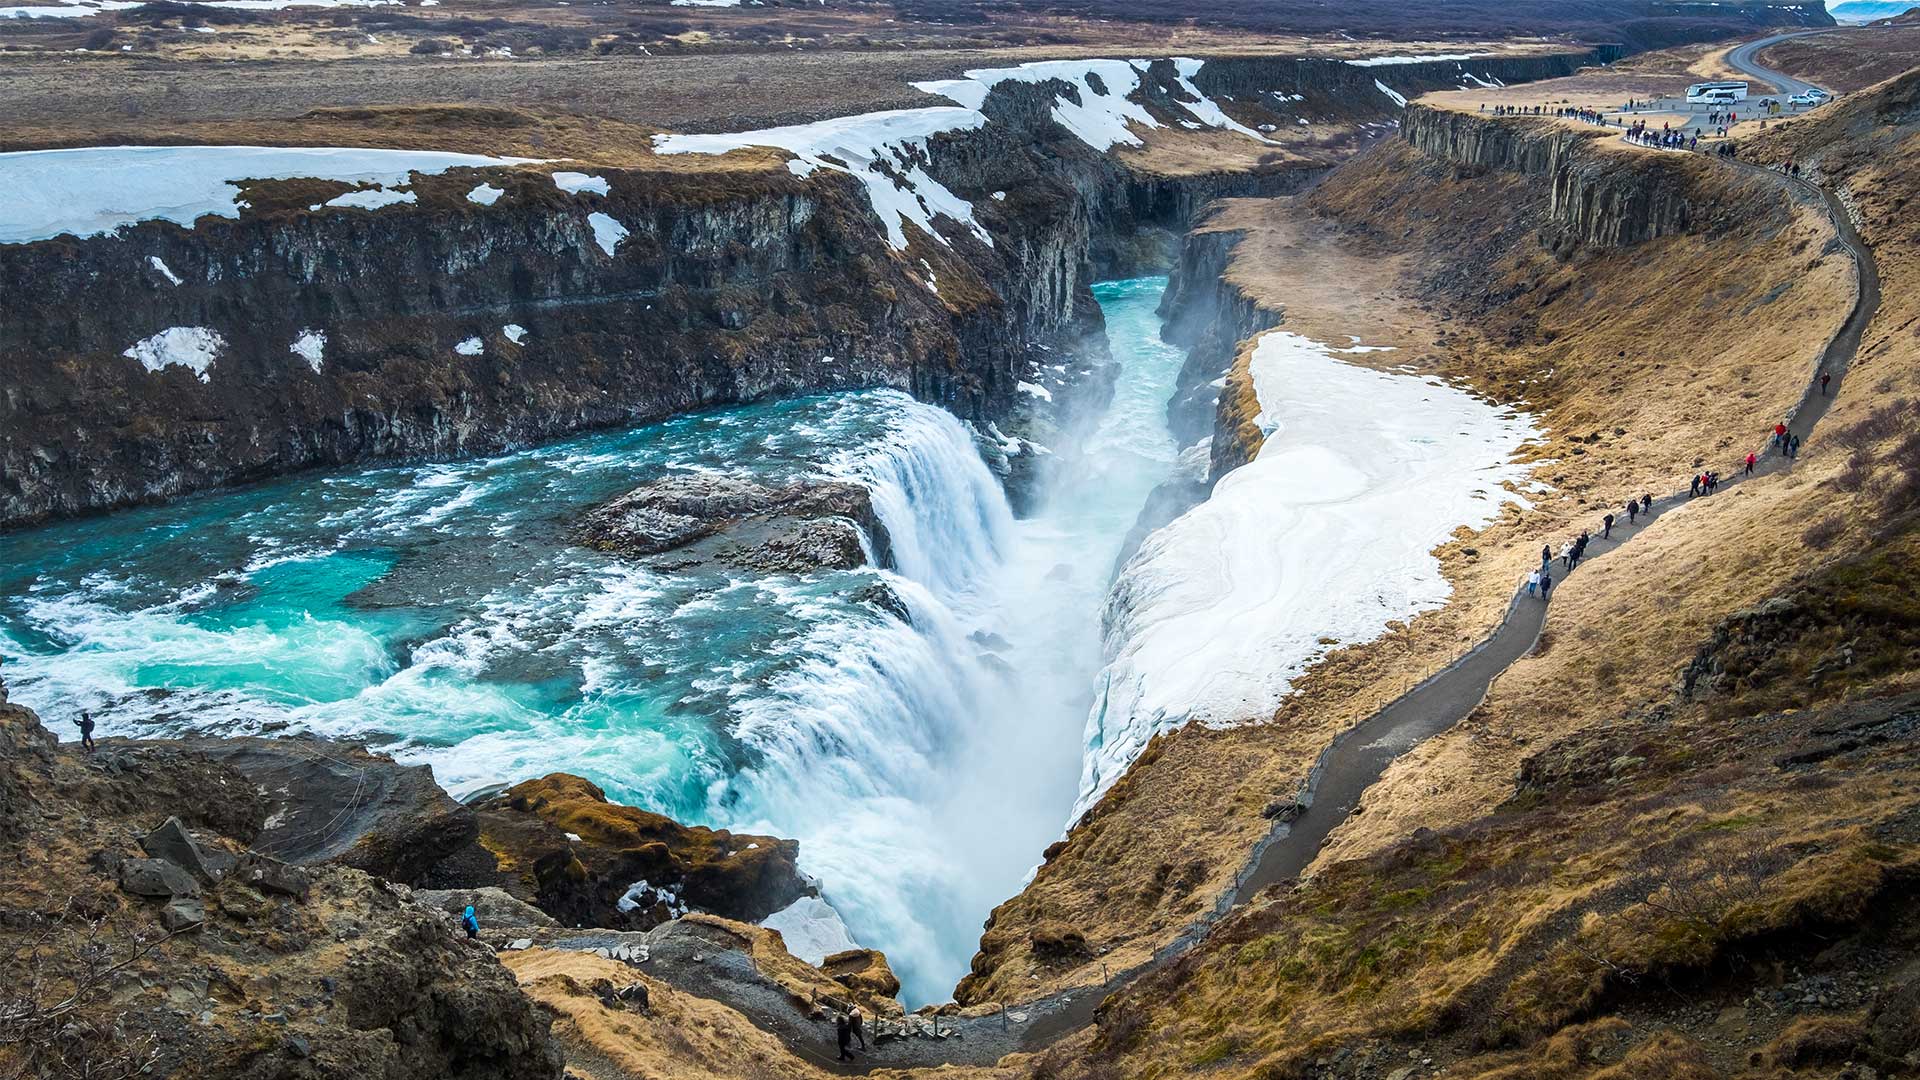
1716 92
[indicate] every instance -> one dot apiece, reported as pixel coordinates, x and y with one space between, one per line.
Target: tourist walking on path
1779 434
1546 586
843 1032
1546 557
1751 458
86 730
858 1024
1606 527
1646 504
1566 555
1533 583
1693 486
1824 378
1633 510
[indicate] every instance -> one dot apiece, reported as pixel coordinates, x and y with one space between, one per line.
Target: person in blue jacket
472 923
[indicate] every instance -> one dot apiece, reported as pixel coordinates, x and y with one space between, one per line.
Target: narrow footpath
1355 760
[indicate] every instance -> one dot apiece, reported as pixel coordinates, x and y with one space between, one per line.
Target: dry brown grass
1595 345
685 1037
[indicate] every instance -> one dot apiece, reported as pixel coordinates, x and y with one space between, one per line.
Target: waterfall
946 517
870 741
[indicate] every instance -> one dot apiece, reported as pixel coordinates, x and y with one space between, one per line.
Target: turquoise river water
443 610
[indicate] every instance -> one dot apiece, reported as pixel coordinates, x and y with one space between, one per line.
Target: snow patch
573 183
310 346
485 195
1421 58
1325 536
606 232
94 190
190 347
811 929
372 198
514 332
165 270
470 347
1035 389
640 894
1398 98
865 147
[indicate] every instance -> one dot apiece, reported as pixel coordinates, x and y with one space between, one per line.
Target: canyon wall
453 328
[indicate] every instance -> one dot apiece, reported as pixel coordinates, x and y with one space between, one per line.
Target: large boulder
864 970
341 804
558 844
686 521
492 905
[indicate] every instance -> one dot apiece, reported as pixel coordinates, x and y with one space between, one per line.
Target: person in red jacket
1751 458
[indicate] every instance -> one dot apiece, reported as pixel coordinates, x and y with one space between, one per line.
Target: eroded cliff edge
454 327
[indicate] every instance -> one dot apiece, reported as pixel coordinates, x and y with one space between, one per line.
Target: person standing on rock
471 922
86 730
843 1032
858 1025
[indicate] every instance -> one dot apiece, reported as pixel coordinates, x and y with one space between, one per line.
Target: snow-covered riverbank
1321 541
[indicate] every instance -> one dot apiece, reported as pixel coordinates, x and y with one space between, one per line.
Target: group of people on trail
1785 441
847 1027
1703 484
1540 582
1667 138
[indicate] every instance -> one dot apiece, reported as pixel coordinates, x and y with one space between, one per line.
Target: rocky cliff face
448 327
1597 199
140 935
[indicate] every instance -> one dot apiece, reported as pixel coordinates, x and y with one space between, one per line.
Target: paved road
1356 759
1742 60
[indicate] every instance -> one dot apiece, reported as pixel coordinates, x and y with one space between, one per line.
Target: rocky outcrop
223 962
336 803
557 843
1210 318
1601 194
698 519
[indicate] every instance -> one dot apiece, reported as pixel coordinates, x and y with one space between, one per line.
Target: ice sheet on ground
514 332
1398 98
94 190
485 194
1326 534
472 346
811 928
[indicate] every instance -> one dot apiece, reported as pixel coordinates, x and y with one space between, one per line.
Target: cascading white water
923 764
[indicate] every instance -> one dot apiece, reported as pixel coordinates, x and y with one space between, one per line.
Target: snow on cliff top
869 146
1423 58
1327 534
95 190
865 146
73 9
